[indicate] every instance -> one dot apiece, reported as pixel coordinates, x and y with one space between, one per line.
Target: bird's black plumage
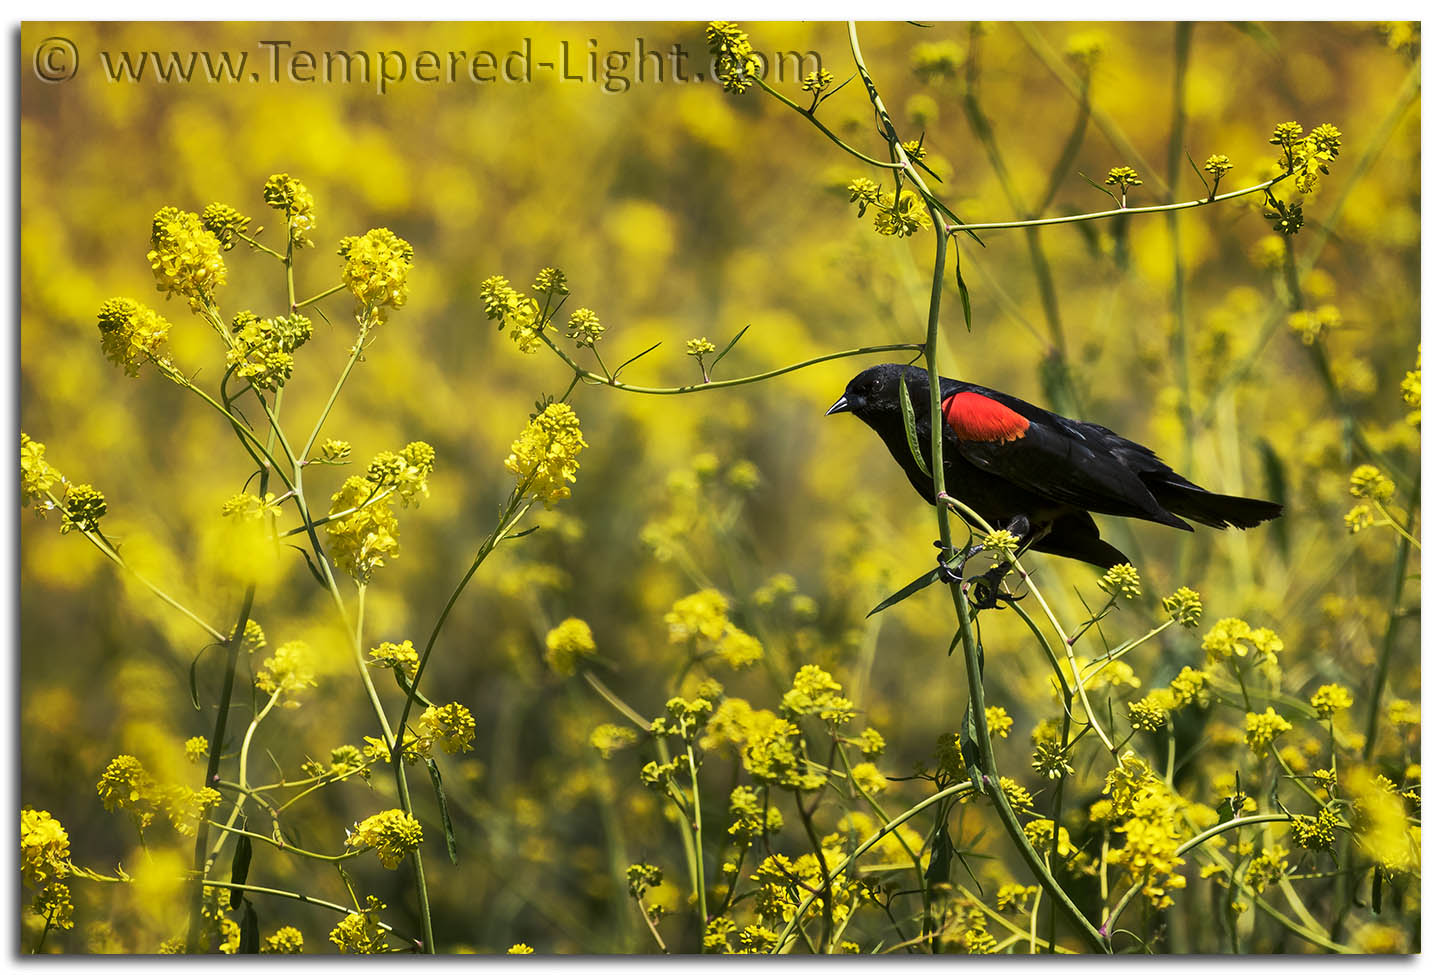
1006 458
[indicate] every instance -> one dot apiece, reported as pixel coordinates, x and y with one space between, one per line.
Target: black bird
1036 473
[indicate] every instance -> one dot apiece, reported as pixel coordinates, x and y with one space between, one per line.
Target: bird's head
875 393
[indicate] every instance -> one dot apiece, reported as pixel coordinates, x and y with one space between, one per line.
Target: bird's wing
1046 454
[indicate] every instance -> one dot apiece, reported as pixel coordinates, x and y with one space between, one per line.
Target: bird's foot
986 590
953 562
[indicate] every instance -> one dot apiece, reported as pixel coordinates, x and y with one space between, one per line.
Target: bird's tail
1182 497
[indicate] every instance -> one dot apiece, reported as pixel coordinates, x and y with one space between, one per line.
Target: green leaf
445 813
938 869
909 415
729 346
1276 475
910 590
249 932
194 691
239 867
1115 198
965 294
1260 35
1206 184
617 371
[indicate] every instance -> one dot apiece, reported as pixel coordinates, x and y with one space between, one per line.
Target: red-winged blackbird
1034 472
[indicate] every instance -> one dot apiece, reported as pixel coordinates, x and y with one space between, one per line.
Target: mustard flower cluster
933 60
1123 177
364 530
1184 606
584 328
263 349
1310 325
335 451
37 477
132 334
551 282
288 670
1000 542
817 81
1330 700
402 656
82 509
1085 49
126 786
360 932
1232 638
250 507
1121 581
1317 832
1262 729
998 722
510 309
1040 833
1369 483
375 266
544 457
44 848
393 834
288 195
751 816
406 472
608 739
813 691
287 940
569 641
81 505
701 621
451 726
1217 166
1307 156
896 216
1147 814
734 61
185 257
700 348
225 222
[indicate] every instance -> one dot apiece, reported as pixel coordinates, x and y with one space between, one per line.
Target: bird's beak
840 406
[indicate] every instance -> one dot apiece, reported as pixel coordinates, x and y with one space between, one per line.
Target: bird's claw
986 592
948 572
985 589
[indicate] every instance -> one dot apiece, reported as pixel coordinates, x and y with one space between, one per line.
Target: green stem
1118 212
597 380
355 354
297 896
811 117
969 647
1187 847
314 298
789 932
1389 638
212 769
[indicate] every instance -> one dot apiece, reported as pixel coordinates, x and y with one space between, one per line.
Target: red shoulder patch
977 417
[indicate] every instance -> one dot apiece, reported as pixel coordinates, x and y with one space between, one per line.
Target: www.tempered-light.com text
613 70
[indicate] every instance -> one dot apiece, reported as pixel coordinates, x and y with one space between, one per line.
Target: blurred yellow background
678 211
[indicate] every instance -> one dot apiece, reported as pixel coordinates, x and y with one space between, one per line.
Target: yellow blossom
544 458
392 834
375 267
568 642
